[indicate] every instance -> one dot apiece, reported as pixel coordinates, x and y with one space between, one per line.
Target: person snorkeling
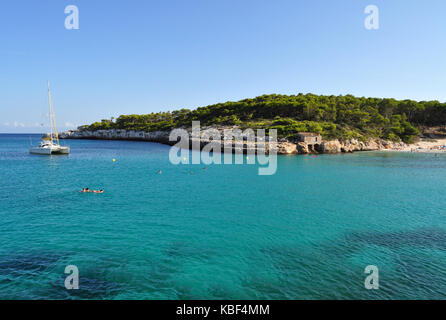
92 191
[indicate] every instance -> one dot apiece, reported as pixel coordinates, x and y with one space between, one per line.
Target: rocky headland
282 146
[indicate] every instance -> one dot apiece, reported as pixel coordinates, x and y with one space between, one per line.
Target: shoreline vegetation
345 123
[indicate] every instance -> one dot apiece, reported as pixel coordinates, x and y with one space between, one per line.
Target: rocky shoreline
283 146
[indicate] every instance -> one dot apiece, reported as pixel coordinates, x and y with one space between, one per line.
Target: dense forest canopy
342 117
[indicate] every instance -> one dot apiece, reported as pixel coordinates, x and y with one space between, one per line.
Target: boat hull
61 150
50 151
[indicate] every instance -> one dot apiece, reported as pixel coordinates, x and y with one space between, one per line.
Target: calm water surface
306 232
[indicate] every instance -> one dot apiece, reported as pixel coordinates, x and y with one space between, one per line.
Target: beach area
424 146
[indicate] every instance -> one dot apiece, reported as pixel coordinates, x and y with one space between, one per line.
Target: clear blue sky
142 56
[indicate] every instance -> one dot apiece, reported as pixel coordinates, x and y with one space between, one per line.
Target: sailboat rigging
50 145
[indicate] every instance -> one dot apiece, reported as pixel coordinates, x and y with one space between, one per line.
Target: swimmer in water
84 190
160 172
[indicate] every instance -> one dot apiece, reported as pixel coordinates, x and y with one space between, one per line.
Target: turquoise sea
307 232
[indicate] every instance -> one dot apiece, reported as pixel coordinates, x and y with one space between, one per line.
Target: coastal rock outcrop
333 146
302 148
114 134
287 148
283 146
371 145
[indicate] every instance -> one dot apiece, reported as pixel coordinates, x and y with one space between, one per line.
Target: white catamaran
49 145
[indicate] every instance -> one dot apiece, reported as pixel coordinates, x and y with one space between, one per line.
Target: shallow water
306 232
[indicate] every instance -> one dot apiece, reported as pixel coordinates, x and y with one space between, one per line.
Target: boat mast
52 116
